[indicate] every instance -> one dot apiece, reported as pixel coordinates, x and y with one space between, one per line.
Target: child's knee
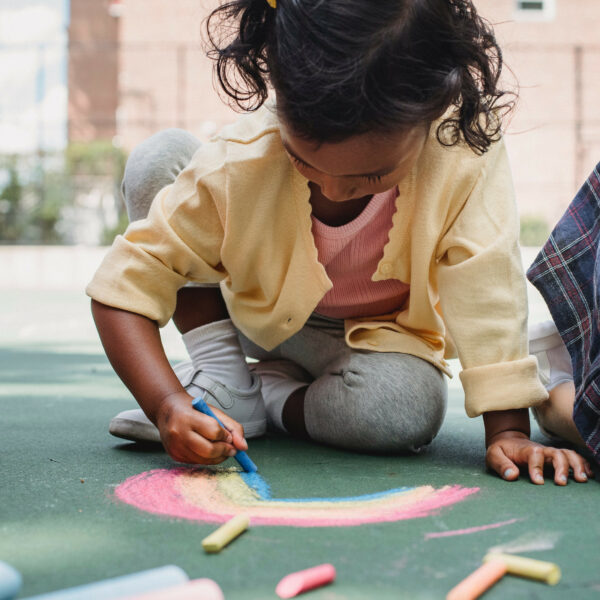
153 164
404 420
363 410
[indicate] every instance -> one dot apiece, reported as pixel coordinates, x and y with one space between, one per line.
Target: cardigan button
386 268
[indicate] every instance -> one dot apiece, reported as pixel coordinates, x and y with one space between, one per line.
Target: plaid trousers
567 274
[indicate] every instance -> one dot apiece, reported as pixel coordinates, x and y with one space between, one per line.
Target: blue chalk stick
10 581
128 585
242 458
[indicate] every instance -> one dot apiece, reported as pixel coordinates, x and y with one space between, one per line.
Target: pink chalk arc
215 496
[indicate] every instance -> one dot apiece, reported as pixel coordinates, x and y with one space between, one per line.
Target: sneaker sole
134 431
255 429
142 432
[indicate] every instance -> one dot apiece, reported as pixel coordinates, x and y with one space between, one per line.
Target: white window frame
546 12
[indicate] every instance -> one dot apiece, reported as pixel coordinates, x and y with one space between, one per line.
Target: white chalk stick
206 589
136 583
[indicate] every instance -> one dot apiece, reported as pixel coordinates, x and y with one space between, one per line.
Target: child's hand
508 449
190 436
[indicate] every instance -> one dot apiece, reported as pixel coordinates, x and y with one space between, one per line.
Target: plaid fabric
567 274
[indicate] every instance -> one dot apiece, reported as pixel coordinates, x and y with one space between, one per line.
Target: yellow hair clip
272 3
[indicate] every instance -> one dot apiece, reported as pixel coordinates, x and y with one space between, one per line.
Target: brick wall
164 80
93 66
554 135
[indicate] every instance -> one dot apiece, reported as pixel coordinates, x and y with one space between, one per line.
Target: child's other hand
190 436
508 449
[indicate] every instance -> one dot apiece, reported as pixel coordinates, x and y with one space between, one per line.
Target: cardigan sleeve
483 294
179 241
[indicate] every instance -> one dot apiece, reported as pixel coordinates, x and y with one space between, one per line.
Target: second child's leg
555 415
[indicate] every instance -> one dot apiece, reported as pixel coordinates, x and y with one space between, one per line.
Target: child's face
360 166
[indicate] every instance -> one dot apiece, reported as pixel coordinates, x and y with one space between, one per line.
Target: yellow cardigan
239 215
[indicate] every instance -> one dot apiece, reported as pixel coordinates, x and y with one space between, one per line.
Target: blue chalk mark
258 484
261 487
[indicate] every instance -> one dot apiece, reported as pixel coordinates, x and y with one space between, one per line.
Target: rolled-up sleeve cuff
502 386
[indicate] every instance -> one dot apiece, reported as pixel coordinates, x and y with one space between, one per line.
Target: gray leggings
360 400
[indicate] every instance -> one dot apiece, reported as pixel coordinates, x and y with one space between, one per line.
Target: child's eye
369 178
374 178
299 162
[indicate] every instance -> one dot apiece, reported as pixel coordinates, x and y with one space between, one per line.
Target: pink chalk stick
302 581
206 589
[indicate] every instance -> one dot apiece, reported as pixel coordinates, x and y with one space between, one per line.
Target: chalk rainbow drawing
215 495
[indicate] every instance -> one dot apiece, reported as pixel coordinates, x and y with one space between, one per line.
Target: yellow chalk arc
527 567
218 539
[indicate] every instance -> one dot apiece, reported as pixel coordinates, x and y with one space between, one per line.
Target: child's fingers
197 449
578 464
236 429
560 464
499 462
535 464
203 448
239 441
209 428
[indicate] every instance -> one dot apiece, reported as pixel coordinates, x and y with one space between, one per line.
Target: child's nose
336 189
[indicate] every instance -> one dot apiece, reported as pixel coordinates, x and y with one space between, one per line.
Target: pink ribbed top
350 254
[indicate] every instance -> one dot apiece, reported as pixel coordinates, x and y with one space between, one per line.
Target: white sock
215 349
553 357
559 365
280 378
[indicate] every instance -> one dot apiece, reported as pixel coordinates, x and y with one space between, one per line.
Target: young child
359 229
568 348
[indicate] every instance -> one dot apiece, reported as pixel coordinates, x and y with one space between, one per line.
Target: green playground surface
61 526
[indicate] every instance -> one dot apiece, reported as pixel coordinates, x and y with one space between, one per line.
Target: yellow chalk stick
218 539
478 581
528 567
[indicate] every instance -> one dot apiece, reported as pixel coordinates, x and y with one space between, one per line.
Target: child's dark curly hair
341 68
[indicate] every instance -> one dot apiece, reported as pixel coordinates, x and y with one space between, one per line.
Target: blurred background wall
85 80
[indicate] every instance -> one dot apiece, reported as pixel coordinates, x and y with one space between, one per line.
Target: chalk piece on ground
478 581
528 567
302 581
10 581
218 539
119 587
206 589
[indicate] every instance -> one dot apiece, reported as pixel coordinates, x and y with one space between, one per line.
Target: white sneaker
134 425
245 406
